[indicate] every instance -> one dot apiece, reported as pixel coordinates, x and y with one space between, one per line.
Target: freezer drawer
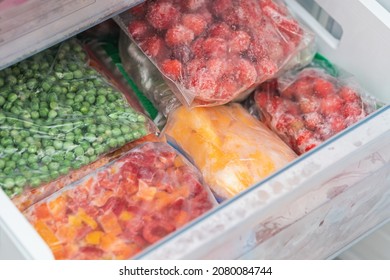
311 209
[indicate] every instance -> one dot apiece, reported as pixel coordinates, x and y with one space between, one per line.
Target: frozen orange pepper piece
86 218
46 233
109 223
126 215
57 207
42 212
94 237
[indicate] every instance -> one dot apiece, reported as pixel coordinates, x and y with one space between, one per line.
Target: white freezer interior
315 207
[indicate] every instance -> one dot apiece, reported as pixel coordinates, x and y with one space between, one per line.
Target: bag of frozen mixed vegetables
123 207
58 117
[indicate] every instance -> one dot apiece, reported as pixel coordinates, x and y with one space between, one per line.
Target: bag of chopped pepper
58 119
214 52
308 106
232 149
123 207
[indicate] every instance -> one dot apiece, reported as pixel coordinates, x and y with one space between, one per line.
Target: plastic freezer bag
213 52
307 107
58 115
232 149
124 207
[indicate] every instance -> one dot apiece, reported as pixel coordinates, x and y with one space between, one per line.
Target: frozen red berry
239 42
220 7
197 48
244 72
152 46
194 22
306 141
172 68
323 87
349 95
302 88
178 35
309 104
266 68
262 98
225 89
337 122
313 120
220 29
182 53
214 47
217 66
352 110
138 29
139 10
162 15
331 104
193 5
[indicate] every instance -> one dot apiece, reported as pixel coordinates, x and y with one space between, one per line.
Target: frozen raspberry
178 35
162 15
194 22
331 104
219 7
220 30
138 29
152 46
239 42
193 5
244 72
215 47
313 120
172 68
323 88
309 104
349 95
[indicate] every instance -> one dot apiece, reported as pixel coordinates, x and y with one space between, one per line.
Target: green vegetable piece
9 183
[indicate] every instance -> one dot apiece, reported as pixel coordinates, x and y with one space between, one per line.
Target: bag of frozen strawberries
214 52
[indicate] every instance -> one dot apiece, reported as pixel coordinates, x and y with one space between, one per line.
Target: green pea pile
58 114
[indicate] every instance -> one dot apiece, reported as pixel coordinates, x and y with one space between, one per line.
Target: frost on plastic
58 115
307 107
213 52
231 148
124 207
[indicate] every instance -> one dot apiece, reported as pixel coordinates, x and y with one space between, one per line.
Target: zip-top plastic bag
309 106
232 149
124 207
59 115
214 52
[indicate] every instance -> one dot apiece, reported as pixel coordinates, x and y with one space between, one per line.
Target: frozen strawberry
193 5
178 35
291 107
138 29
244 72
337 122
206 14
323 88
262 98
162 15
220 7
239 42
217 66
276 51
214 47
194 22
352 110
331 104
266 68
197 48
172 68
313 120
325 131
257 50
306 141
202 82
194 66
226 88
152 46
220 29
139 10
303 88
181 52
309 104
349 95
249 13
279 8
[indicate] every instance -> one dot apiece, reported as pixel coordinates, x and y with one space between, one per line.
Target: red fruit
193 5
173 69
226 89
239 42
152 46
331 104
244 72
139 10
220 30
257 50
194 66
217 67
278 7
302 88
291 107
138 29
325 131
352 110
206 14
323 88
262 98
266 68
276 52
194 22
288 124
337 123
220 7
349 95
309 104
202 83
215 47
306 141
178 35
162 15
182 53
313 120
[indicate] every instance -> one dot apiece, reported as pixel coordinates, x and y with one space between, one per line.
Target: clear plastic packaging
232 149
214 52
57 115
307 107
123 207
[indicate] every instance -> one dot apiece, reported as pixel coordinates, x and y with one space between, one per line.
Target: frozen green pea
8 170
121 140
20 181
101 99
116 132
50 150
2 100
32 149
35 182
57 144
113 143
2 163
12 97
79 151
46 159
9 183
78 74
10 164
52 114
53 166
